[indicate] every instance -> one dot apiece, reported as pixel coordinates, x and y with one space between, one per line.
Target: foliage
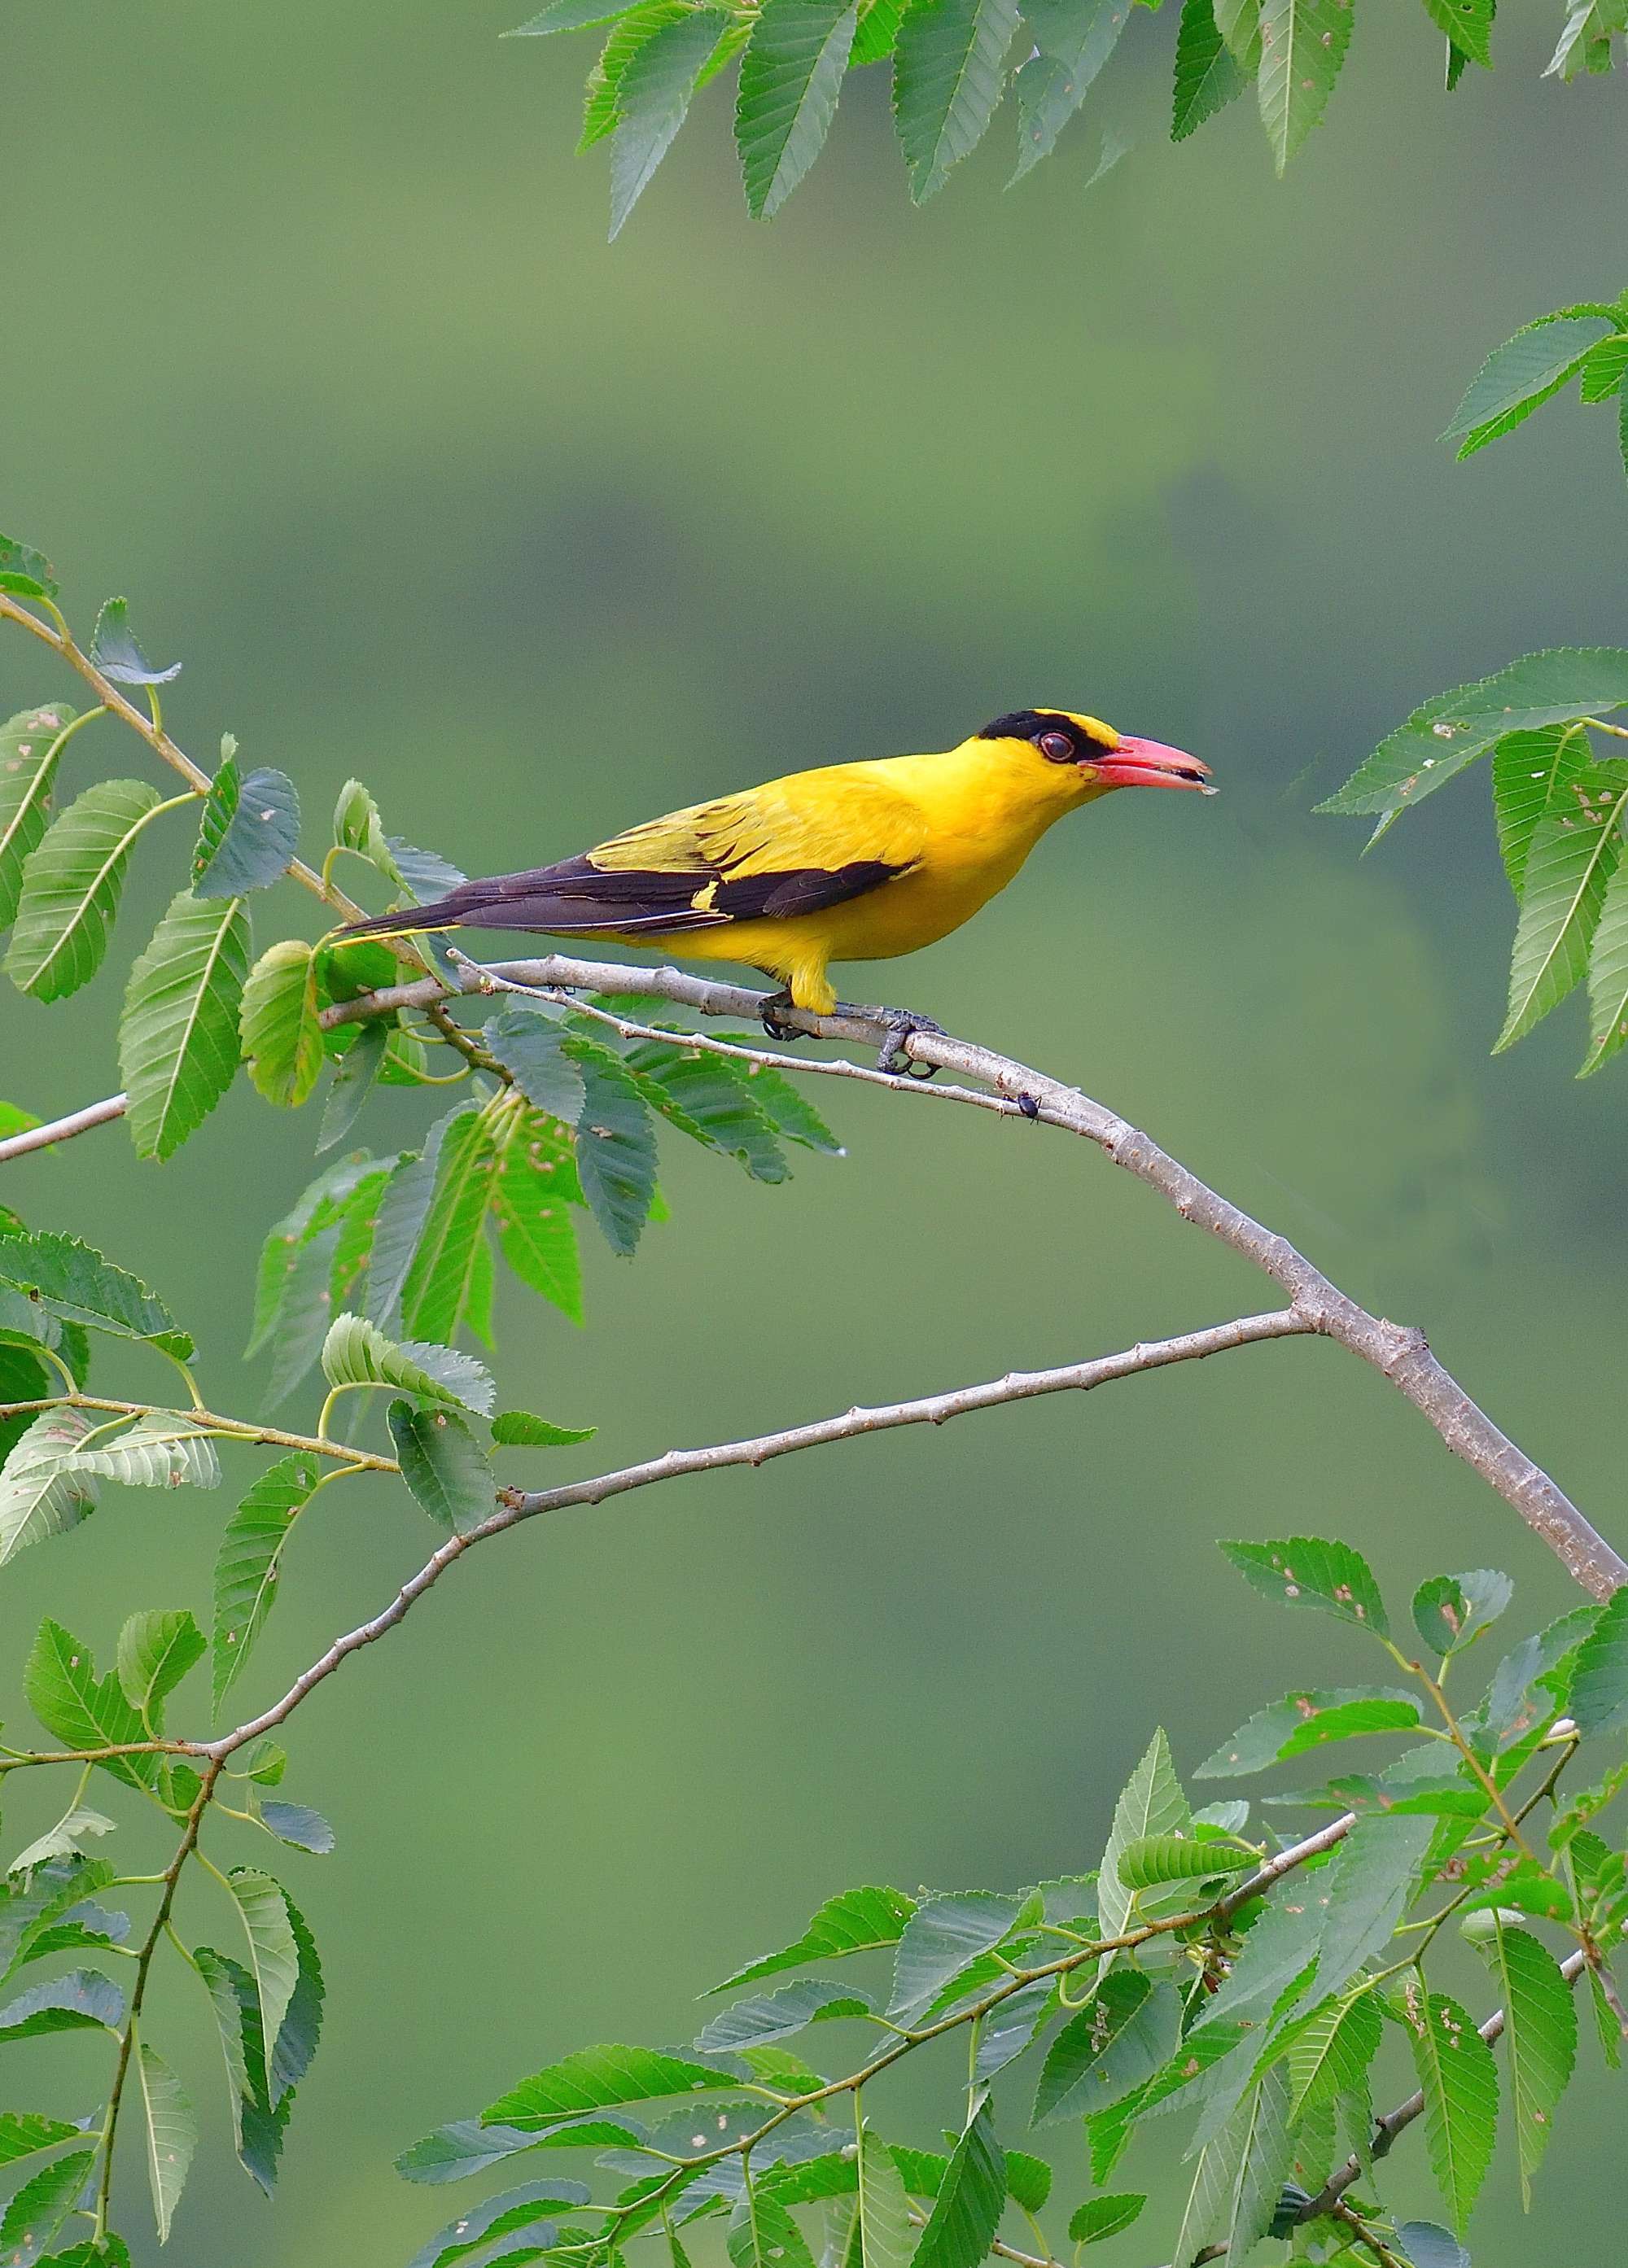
955 61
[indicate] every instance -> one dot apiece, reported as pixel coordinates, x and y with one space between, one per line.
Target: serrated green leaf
790 77
1013 2026
1108 2132
1152 1803
1528 769
652 98
1239 24
1239 2175
1208 75
761 2233
1330 2052
949 70
274 1957
171 2134
626 35
517 1429
778 2015
402 1210
1523 1887
532 1049
354 1076
1101 2217
887 2239
942 1936
1468 25
40 1494
320 1205
30 745
967 2210
156 1650
178 1037
1451 1610
1458 2079
1370 1880
249 1561
43 2207
248 833
72 883
1598 1696
1607 975
854 1921
438 1291
166 1448
258 2125
1426 2245
1573 856
1264 1738
22 2132
443 1466
464 2147
1127 2032
1309 1571
568 16
61 1688
1150 1861
529 2213
786 1108
601 2077
616 1148
83 2000
281 1038
113 650
61 1841
1518 378
1303 44
1444 734
358 827
1604 370
357 1352
531 1200
1540 2039
710 1098
27 572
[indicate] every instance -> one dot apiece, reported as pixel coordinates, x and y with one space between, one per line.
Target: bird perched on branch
854 862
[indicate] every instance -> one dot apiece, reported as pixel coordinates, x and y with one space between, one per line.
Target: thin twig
61 1130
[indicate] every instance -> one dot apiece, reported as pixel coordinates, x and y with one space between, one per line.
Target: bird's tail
406 918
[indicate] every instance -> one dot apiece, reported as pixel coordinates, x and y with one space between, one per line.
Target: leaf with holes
1264 1738
250 1560
248 832
790 77
1306 1571
30 745
40 1494
178 1037
113 650
1458 2079
1528 769
1449 1611
1468 25
949 70
446 1470
72 883
281 1038
1152 1803
171 2134
25 572
22 2132
1303 44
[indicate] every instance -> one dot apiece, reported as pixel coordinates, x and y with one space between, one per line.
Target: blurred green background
318 354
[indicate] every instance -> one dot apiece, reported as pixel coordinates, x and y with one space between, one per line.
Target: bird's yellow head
1077 757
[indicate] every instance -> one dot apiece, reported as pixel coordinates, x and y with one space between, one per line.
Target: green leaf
464 2147
72 883
22 2132
249 830
437 1292
855 1921
877 33
1607 975
1330 2052
281 1038
1240 2174
626 35
43 2207
480 2228
616 1148
1370 1881
1306 1571
568 16
62 1841
598 2079
83 2000
1468 25
113 650
1239 24
297 1825
1528 769
259 2123
321 1204
402 1210
791 76
1101 2217
1303 44
358 827
651 99
171 2134
1539 2038
40 1494
710 1098
1598 1700
61 1687
761 2233
1208 76
517 1429
30 744
1427 2246
274 1957
164 1449
25 572
1108 2132
250 1561
1449 1611
949 73
1013 2026
1149 1861
778 2015
1573 856
1449 732
1605 369
939 1941
1458 2079
297 2037
178 1037
1152 1803
531 1201
532 1048
1522 1888
887 2239
354 1076
967 2211
1126 2031
785 1106
156 1650
444 1466
357 1352
1307 1720
1518 378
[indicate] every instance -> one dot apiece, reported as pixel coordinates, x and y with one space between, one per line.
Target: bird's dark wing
576 896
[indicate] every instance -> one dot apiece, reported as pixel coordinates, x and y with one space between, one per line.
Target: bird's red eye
1058 746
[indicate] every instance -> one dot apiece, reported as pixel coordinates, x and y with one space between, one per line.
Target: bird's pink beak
1149 763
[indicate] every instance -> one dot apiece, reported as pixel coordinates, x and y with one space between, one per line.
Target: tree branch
60 1130
1400 1354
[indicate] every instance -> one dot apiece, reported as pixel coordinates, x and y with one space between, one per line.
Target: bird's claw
777 1031
898 1027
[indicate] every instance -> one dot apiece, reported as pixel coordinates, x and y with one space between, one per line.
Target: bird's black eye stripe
1041 725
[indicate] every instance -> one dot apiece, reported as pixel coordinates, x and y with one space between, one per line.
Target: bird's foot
770 1022
898 1026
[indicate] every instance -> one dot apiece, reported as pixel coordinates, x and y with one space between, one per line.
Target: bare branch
60 1130
1399 1353
931 1409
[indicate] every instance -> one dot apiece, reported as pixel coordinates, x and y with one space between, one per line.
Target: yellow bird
853 862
